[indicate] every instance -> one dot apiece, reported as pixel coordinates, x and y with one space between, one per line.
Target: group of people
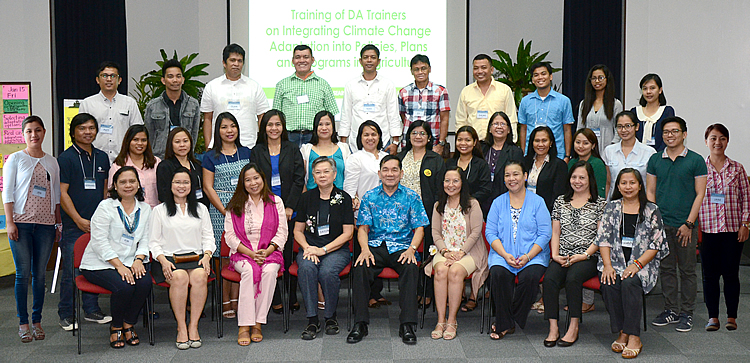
622 188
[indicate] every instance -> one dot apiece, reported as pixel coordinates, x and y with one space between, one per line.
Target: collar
114 98
81 151
398 190
169 101
413 85
118 203
684 152
311 75
243 78
710 167
362 77
552 93
476 84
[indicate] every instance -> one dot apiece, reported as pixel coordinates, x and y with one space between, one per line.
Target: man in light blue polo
546 107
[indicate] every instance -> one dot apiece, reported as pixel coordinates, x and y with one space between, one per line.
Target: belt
301 132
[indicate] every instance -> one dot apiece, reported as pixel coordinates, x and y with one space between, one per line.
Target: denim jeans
30 254
65 308
299 138
326 272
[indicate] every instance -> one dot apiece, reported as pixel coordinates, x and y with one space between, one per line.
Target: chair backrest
484 237
224 247
79 248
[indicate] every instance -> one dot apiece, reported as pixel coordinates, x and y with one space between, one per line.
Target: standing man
546 107
391 226
83 181
172 109
302 95
115 112
236 93
370 97
481 99
423 100
677 183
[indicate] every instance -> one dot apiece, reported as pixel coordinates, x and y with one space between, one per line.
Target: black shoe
311 331
406 332
294 307
358 332
550 343
332 326
564 344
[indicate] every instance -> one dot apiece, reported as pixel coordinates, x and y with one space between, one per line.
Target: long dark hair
616 194
316 122
593 191
652 77
477 150
590 93
426 128
148 156
374 125
169 152
591 136
192 202
262 136
552 146
491 140
237 204
464 195
217 135
113 192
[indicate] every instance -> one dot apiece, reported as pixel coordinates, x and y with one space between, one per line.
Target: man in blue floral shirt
391 227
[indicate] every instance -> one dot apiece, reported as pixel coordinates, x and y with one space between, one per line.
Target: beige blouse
411 172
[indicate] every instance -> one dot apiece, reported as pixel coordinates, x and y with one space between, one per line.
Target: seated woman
182 242
323 228
255 231
457 232
115 255
136 152
519 230
575 218
632 242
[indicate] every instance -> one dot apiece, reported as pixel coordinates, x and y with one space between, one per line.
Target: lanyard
197 174
130 227
236 152
93 168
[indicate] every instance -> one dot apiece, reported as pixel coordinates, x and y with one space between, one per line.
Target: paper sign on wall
13 136
16 106
13 120
15 92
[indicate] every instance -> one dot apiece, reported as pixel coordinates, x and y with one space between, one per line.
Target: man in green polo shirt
676 182
302 95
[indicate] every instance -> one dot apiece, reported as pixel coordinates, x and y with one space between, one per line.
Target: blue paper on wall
2 222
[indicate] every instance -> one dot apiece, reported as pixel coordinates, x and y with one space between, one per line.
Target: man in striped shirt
302 95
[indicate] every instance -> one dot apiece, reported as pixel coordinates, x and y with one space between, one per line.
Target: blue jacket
534 227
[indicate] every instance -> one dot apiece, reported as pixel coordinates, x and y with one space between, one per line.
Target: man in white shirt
370 97
113 111
235 93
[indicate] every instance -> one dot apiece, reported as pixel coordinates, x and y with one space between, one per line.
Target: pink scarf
268 230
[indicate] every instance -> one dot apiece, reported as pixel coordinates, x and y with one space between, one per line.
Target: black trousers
126 300
513 301
572 279
363 277
720 258
624 302
289 258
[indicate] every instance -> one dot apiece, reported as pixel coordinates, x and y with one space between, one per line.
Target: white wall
25 54
700 51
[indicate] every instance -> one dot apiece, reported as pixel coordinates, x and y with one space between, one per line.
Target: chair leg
645 326
423 305
220 308
350 314
78 315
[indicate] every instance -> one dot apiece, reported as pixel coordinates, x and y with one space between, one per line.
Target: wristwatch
587 255
746 225
442 143
689 224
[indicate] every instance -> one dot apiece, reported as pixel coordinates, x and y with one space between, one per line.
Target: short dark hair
593 191
316 122
374 125
424 125
80 119
536 65
718 127
390 157
481 56
301 48
226 115
169 64
677 119
419 58
369 47
32 119
262 137
652 77
107 64
113 192
552 145
515 162
232 48
629 114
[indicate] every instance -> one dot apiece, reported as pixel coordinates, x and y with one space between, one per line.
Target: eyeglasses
109 76
671 132
599 78
624 127
419 133
181 182
499 125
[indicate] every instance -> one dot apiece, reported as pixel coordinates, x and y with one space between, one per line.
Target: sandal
470 305
384 301
25 335
243 336
133 337
494 335
437 334
37 333
449 335
332 326
256 335
628 353
119 342
277 309
321 305
538 306
373 304
229 313
183 345
618 347
311 331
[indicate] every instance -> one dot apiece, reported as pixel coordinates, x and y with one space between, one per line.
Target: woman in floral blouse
632 242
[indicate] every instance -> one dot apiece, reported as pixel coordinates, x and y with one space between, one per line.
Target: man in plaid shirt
302 95
424 100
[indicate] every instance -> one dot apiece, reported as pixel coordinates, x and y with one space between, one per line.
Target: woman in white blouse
362 167
32 207
182 242
115 255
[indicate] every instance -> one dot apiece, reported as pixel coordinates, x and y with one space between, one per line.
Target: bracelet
528 259
139 259
443 251
325 249
274 245
638 264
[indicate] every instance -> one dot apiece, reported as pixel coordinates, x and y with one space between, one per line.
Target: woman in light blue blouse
325 142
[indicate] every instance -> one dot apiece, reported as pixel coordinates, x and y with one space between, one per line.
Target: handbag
186 257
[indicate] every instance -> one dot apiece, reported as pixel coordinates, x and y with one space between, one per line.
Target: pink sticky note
5 158
15 92
13 120
13 136
1 184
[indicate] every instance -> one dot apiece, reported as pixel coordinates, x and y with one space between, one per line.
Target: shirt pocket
188 114
160 120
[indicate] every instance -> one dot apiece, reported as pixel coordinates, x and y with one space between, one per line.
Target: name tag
127 239
275 180
233 180
717 198
199 194
597 132
233 105
483 114
628 242
531 189
303 99
492 176
418 113
106 129
323 230
38 191
124 112
89 183
369 107
651 142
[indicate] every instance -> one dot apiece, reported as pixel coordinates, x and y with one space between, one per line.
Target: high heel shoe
449 335
438 333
